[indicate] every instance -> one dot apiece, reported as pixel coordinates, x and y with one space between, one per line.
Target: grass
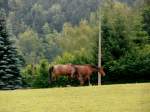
106 98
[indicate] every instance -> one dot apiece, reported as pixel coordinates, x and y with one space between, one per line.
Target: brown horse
61 70
83 72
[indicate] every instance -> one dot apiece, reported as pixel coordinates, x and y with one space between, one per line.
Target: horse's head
101 71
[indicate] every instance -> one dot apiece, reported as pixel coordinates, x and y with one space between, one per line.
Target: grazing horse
61 70
83 72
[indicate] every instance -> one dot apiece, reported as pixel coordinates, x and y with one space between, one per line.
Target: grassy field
107 98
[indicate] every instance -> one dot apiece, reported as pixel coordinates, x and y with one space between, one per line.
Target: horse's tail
50 74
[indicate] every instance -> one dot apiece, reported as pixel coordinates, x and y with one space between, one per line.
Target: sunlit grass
108 98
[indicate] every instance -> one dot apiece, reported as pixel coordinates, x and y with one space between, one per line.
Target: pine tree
9 61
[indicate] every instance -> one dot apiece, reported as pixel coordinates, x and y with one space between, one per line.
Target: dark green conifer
9 61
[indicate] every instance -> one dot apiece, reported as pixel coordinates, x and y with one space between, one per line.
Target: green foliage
123 37
36 76
146 19
35 13
77 57
116 36
30 46
4 5
134 67
9 61
28 75
51 48
43 19
33 48
125 40
41 76
122 40
80 41
64 59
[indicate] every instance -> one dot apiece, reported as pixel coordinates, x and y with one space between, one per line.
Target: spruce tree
9 66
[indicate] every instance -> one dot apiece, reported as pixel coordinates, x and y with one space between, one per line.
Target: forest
36 34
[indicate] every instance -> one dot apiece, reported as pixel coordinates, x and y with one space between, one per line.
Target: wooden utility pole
99 47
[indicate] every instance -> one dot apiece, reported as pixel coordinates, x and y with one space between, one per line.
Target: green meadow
105 98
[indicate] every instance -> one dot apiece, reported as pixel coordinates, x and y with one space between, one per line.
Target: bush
36 75
134 67
77 57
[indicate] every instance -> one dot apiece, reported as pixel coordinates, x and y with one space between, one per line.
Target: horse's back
83 69
63 69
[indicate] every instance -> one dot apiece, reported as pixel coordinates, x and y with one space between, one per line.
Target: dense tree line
35 13
66 31
125 44
50 15
45 19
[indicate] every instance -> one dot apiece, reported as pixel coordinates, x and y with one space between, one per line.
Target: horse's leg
54 77
70 81
81 80
73 72
89 80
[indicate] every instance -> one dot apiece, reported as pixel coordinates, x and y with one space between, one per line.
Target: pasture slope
106 98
